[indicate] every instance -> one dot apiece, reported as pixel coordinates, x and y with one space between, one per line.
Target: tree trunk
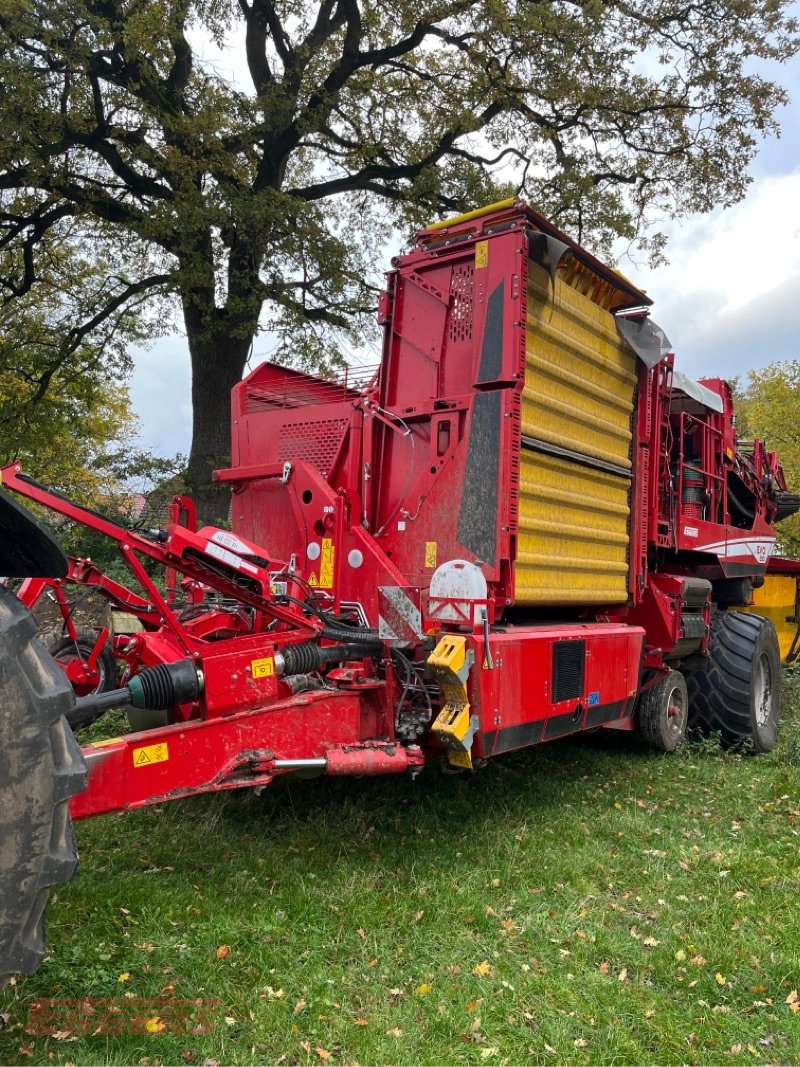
218 362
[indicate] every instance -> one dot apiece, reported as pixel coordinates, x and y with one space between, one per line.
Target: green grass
583 902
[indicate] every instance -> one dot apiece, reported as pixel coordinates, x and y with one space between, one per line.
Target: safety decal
144 757
481 254
263 668
430 554
326 564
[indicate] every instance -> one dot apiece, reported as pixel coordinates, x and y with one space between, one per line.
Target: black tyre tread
41 767
59 642
719 695
650 708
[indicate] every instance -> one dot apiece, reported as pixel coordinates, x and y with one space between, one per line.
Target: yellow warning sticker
326 564
263 668
312 579
144 757
430 553
481 254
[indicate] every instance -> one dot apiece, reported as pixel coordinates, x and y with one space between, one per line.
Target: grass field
583 902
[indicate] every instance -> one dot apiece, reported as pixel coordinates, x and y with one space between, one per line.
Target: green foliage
768 408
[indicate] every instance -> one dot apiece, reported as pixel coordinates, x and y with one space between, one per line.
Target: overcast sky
729 299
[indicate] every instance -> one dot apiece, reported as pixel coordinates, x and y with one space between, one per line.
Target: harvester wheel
664 712
738 692
40 769
104 678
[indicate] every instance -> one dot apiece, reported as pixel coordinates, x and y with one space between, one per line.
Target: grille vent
569 659
461 306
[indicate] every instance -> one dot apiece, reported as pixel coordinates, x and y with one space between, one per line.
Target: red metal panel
515 700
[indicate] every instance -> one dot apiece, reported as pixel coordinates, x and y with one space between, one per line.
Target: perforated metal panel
316 442
460 327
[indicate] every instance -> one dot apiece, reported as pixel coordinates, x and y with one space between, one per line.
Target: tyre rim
677 710
73 662
762 697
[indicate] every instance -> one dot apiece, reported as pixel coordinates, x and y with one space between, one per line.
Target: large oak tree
262 201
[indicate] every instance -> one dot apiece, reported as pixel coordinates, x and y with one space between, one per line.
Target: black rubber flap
27 548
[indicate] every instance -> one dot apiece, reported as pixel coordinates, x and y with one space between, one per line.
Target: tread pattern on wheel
651 705
41 767
720 695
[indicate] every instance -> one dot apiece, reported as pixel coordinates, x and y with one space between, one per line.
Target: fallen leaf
697 961
651 942
423 989
549 1048
362 933
394 1032
124 977
649 1013
362 1022
580 1042
154 1025
323 1053
61 1035
603 968
299 1006
490 1050
735 1049
720 979
372 963
223 952
187 1055
482 969
275 994
793 1001
635 933
623 974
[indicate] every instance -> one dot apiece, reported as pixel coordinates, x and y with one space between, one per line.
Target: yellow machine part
450 662
775 600
580 383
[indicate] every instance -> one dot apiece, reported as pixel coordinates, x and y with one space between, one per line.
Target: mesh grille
461 307
568 666
315 442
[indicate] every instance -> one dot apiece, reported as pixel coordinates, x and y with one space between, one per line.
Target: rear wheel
664 712
73 655
41 767
738 692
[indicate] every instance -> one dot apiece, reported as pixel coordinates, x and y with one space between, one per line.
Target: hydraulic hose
348 634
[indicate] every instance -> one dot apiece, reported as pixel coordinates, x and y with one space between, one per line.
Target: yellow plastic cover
580 383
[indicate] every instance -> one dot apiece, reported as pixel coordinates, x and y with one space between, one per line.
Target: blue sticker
593 698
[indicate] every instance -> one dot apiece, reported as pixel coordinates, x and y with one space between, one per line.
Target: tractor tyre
41 767
664 712
63 649
738 691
